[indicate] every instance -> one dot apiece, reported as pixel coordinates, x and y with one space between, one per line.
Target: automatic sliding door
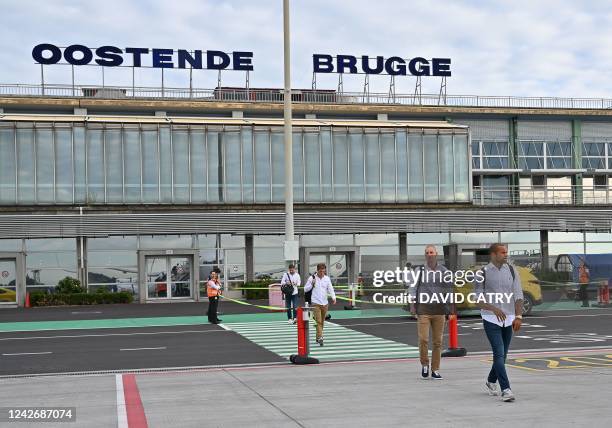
156 271
8 281
337 268
168 277
180 277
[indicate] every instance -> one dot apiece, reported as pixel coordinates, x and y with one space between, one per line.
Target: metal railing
298 96
542 195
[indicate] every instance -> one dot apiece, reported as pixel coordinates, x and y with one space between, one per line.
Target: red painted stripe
133 404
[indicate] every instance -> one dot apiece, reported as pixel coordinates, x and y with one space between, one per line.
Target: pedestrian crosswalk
341 343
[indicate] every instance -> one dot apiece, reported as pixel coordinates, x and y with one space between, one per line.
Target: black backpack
287 288
308 294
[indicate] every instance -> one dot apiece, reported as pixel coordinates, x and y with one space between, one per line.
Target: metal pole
289 234
42 78
72 67
190 82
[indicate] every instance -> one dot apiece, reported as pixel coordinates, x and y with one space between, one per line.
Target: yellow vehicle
458 255
7 295
532 292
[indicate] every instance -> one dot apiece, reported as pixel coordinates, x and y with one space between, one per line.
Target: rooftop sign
392 66
112 56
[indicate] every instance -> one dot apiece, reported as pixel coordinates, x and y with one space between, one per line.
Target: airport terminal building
148 190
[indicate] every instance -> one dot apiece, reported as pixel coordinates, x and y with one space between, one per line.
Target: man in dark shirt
431 312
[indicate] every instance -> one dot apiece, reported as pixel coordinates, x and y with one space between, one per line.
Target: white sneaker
294 321
491 388
290 321
507 395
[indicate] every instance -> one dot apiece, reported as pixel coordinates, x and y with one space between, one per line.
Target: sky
511 48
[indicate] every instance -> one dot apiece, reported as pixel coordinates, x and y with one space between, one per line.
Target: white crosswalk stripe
341 343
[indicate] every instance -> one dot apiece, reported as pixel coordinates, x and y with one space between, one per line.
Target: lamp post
291 247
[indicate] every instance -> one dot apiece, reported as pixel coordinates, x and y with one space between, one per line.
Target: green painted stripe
103 323
272 318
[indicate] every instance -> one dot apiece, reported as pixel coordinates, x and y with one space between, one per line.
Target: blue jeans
289 302
499 338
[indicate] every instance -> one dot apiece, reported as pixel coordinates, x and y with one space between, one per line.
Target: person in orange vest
584 277
213 290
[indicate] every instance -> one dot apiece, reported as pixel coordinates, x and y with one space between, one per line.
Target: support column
577 161
513 160
248 255
403 249
544 254
82 261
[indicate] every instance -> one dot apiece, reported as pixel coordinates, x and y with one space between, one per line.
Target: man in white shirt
321 286
500 319
291 300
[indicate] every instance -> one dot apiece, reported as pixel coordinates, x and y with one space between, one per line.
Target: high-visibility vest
210 291
583 275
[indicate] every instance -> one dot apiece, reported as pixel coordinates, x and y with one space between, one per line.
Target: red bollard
302 342
603 295
27 301
453 339
302 330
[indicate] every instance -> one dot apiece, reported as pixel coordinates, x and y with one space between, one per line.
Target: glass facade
112 263
48 164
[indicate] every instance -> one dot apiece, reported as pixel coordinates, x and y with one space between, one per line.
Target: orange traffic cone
27 302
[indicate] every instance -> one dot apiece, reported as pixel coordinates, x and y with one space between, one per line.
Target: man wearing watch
500 319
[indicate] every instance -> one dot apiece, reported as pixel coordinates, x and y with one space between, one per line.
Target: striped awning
306 222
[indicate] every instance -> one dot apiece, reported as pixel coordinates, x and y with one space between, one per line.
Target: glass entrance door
338 268
168 277
8 281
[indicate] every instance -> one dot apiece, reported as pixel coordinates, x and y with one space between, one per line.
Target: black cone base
454 352
298 359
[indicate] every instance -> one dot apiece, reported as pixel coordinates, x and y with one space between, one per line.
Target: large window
490 154
596 154
545 155
48 261
114 163
112 264
225 253
531 155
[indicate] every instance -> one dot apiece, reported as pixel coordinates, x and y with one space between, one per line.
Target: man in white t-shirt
291 300
321 286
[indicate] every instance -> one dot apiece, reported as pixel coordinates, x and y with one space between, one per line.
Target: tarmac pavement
381 393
